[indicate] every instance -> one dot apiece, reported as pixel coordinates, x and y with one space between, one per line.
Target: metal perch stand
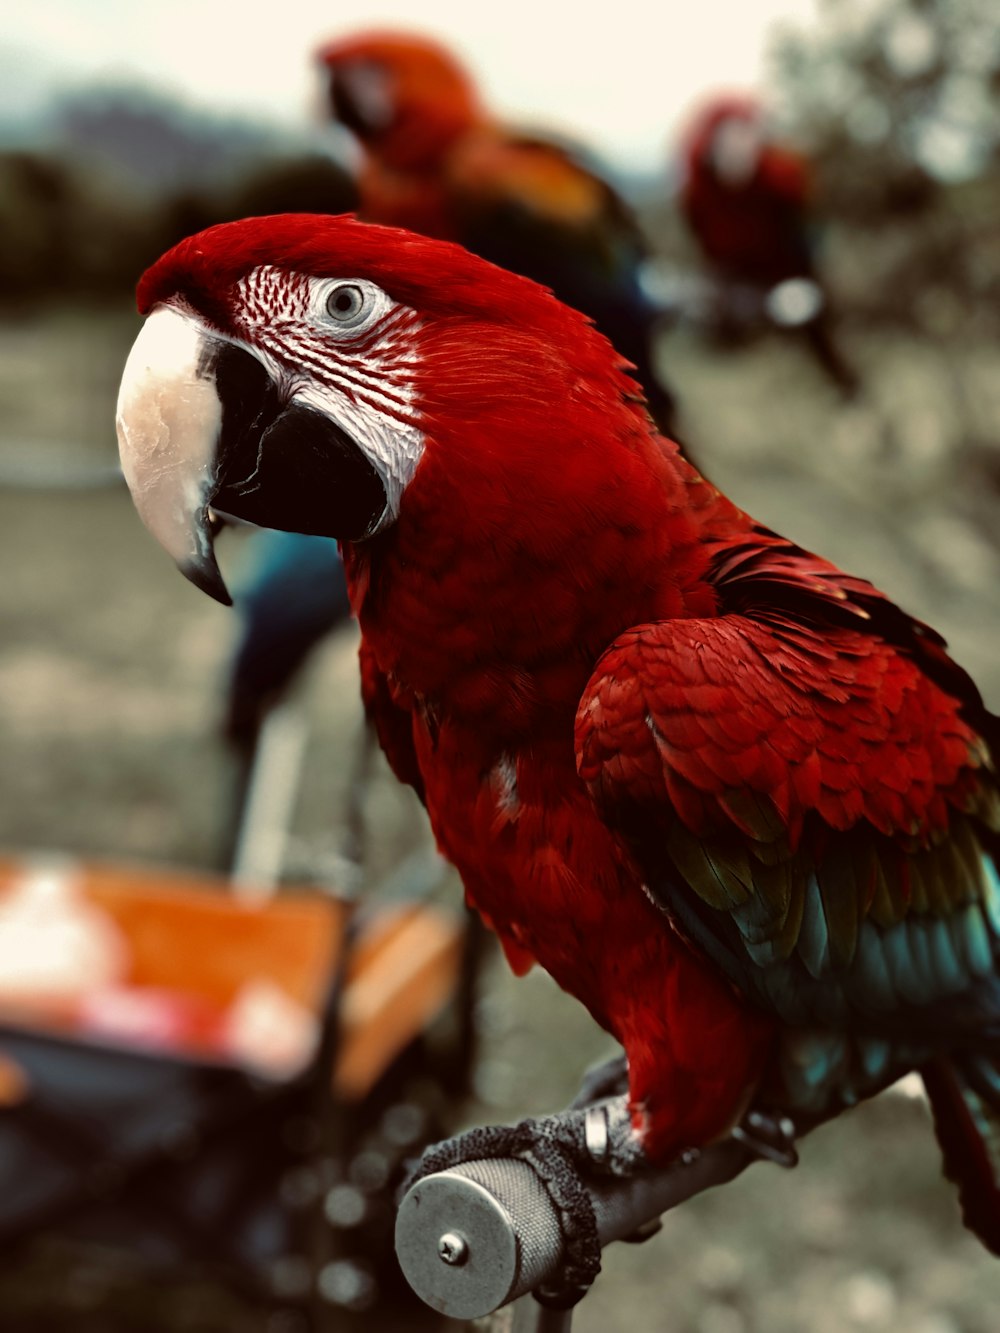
482 1234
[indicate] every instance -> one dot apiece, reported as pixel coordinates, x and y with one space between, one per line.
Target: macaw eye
346 304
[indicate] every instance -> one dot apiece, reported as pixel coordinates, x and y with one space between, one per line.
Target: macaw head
323 375
727 137
405 97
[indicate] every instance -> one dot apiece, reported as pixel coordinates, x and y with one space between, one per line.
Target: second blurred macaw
437 162
745 199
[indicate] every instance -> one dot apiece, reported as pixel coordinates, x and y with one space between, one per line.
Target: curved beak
202 423
169 420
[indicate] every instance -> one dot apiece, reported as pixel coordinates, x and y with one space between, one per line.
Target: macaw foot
607 1079
770 1135
563 1150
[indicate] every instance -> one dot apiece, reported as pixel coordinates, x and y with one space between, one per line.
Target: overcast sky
621 83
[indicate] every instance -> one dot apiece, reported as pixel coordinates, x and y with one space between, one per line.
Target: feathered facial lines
339 331
343 347
346 346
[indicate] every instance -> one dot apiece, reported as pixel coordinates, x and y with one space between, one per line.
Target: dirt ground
110 671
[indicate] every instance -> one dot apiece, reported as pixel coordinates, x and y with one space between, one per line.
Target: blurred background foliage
898 104
122 173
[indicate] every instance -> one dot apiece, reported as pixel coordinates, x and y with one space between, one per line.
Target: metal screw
453 1249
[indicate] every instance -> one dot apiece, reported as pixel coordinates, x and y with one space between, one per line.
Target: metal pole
526 1316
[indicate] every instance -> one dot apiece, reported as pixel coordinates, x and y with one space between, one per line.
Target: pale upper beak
169 420
202 422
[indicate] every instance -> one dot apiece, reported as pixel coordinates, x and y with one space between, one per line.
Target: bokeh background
123 127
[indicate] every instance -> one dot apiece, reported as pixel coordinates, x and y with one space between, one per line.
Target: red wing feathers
841 725
807 803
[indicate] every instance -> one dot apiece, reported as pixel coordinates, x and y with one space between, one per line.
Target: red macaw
746 200
734 800
436 161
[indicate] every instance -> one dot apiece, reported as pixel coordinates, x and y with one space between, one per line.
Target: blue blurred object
291 594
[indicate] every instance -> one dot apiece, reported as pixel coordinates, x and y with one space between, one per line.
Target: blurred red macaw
744 198
746 201
437 162
733 799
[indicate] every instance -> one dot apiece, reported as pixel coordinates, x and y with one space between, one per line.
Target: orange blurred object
204 976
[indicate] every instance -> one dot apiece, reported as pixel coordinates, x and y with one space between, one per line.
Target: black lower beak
203 571
286 466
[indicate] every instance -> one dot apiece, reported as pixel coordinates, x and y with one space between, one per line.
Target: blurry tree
127 175
311 184
899 101
36 206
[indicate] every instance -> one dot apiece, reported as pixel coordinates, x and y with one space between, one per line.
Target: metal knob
457 1241
477 1236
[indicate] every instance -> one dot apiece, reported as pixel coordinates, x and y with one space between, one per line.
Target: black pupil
345 302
